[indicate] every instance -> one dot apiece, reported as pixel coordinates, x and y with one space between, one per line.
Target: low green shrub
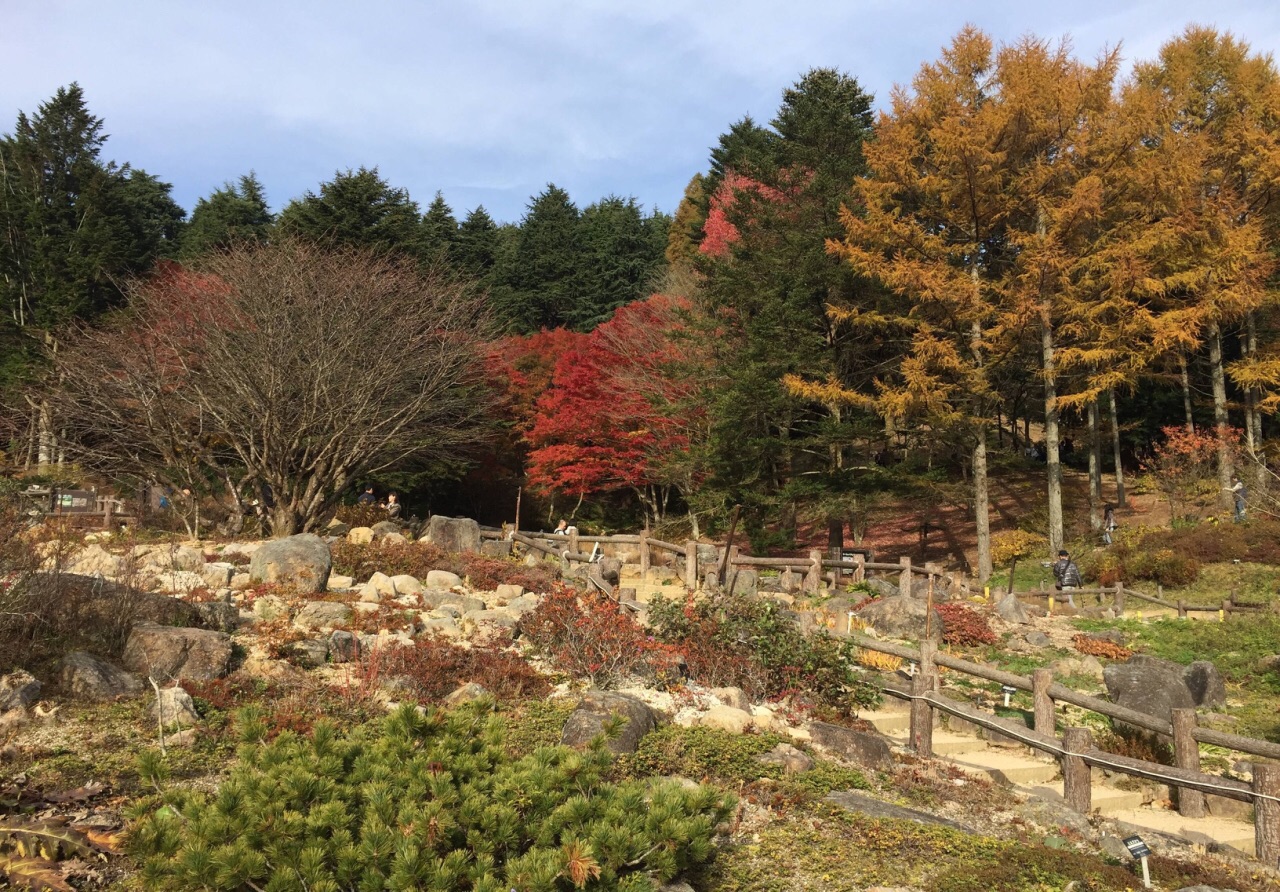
701 752
426 801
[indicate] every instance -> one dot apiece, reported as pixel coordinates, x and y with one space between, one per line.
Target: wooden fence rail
1075 751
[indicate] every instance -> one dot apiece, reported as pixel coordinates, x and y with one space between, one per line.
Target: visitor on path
367 497
1238 494
1066 575
562 528
393 506
1108 522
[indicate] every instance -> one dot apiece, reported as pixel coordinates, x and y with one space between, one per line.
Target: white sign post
1138 849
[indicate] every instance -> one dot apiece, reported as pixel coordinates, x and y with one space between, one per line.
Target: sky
488 101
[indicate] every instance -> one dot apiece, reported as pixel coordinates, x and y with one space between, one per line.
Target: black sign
1008 689
1137 848
75 501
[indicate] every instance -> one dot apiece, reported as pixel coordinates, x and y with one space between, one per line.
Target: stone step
1103 799
945 743
888 721
1224 831
1006 767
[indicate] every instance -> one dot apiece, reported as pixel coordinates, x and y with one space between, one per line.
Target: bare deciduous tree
283 370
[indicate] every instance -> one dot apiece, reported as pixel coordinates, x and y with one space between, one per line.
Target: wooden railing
1118 596
1075 751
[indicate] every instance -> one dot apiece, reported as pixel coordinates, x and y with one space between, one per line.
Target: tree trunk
1186 392
284 520
1052 458
980 503
1220 418
1115 448
1095 469
45 452
1261 478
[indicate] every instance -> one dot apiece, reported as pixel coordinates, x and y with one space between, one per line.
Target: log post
1224 610
731 569
1266 813
922 683
1182 609
1120 599
860 571
1041 680
644 556
1076 784
904 584
573 539
813 579
107 505
691 565
1186 754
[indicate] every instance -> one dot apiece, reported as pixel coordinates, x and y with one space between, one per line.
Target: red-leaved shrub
964 627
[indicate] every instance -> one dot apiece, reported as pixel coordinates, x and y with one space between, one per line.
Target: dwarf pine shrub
425 801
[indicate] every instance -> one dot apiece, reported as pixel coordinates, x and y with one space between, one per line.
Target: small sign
76 501
1137 848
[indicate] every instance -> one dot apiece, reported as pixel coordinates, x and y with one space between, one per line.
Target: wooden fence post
860 571
813 579
1266 813
573 539
644 556
691 565
904 584
922 683
1182 609
1186 754
1120 598
1076 785
1224 610
1041 679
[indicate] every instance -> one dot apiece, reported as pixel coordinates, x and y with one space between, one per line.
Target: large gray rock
170 653
877 808
441 580
596 708
84 677
94 560
217 574
1011 610
322 615
19 688
384 528
743 581
882 587
863 747
900 617
788 758
452 533
1204 681
299 561
1148 685
496 548
174 708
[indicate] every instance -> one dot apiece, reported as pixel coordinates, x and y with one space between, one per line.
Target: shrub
700 752
1164 566
590 636
963 626
1136 744
419 558
359 515
753 644
424 801
1012 545
433 668
1035 868
1100 647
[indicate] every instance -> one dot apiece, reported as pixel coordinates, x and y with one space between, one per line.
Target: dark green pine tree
357 208
236 212
537 285
620 255
72 227
746 148
439 230
475 248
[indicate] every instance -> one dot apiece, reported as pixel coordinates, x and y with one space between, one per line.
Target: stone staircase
1037 775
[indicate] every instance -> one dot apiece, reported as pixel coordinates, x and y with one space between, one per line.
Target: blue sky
489 100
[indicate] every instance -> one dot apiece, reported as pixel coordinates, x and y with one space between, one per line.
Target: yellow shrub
873 659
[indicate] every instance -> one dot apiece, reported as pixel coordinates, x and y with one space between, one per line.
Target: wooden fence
1074 750
1118 597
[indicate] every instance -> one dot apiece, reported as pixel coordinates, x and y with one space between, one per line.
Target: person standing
1238 495
367 497
1108 522
1066 575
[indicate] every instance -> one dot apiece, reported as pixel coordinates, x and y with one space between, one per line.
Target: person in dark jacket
367 497
1066 575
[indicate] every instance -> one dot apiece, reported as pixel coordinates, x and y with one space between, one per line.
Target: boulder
336 527
95 560
455 534
1037 639
405 584
310 652
1149 685
240 581
322 615
1011 610
181 582
743 581
440 625
18 689
507 592
464 603
84 677
726 718
899 617
863 747
369 594
174 709
598 707
170 653
221 615
300 561
882 587
384 528
442 579
344 646
184 557
381 584
340 583
1204 681
489 626
360 535
496 548
269 608
863 803
732 697
790 759
218 574
1085 666
465 694
524 604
